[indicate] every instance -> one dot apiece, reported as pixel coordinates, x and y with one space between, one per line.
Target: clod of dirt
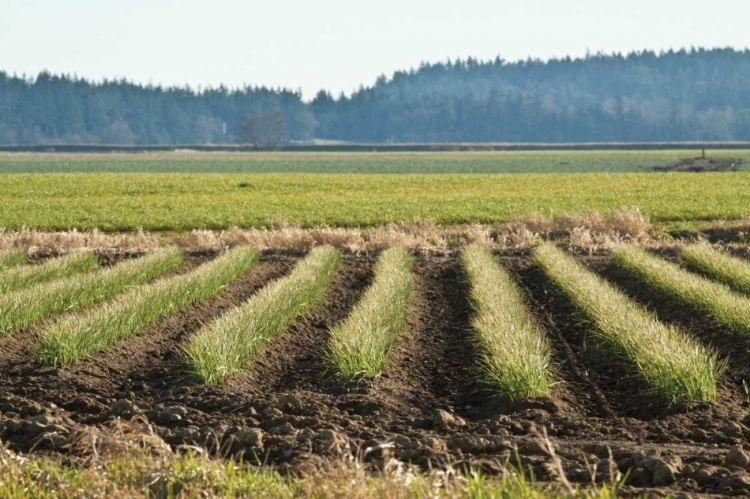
737 457
663 470
124 408
733 430
250 437
272 413
172 414
444 420
289 402
330 440
734 485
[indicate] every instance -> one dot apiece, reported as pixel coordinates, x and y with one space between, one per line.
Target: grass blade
729 270
54 268
515 351
27 306
728 308
222 347
12 258
359 346
76 336
672 364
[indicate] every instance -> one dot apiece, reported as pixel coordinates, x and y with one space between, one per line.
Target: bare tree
262 128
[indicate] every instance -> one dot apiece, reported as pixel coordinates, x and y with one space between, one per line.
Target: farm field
182 202
359 162
290 326
433 405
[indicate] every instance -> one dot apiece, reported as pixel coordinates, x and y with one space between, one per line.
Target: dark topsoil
430 405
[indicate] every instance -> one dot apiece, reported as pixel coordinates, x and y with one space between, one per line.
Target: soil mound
702 165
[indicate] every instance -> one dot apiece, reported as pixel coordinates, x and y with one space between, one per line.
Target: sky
337 45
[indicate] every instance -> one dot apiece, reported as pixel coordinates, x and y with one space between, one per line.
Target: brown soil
430 406
702 165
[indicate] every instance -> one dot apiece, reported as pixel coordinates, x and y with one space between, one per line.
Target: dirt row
429 407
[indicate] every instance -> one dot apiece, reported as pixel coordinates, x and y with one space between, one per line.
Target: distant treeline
686 95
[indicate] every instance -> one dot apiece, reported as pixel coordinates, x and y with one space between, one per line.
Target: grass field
181 202
342 162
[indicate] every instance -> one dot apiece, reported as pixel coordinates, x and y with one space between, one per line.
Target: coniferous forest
696 94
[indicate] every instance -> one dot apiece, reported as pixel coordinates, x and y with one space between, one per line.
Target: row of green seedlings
25 307
714 299
23 276
731 271
361 344
76 336
12 258
515 353
671 363
224 346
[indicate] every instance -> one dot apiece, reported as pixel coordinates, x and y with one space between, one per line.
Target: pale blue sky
337 44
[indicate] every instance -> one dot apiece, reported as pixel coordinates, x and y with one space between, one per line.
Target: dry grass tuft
589 232
35 241
592 231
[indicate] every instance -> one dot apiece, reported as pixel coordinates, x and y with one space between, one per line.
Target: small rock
737 457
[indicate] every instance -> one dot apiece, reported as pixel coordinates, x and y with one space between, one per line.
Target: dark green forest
697 94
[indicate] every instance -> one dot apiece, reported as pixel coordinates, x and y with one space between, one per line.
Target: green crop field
180 202
359 162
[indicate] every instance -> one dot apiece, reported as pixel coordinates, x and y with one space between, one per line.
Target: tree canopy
696 94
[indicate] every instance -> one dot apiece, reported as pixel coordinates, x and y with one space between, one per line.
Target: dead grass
588 232
34 241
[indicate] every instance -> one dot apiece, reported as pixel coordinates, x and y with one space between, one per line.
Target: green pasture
180 202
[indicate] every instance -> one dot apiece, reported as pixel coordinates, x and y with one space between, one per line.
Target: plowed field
429 407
